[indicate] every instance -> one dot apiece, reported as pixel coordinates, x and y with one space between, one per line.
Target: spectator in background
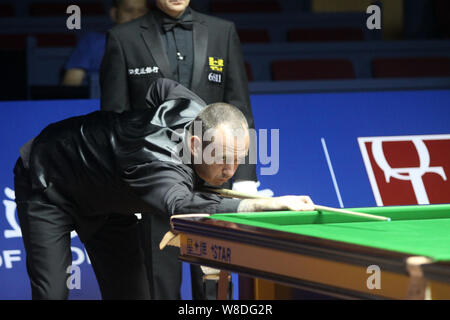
87 56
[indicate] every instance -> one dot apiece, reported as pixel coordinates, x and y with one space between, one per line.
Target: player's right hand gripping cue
294 203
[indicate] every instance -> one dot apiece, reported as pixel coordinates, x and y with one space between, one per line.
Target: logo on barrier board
408 169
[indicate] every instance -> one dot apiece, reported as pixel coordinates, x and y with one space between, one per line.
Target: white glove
264 192
209 270
251 187
246 186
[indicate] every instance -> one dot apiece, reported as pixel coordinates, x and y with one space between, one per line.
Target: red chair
56 39
253 35
222 6
7 10
312 69
59 9
325 34
411 67
248 71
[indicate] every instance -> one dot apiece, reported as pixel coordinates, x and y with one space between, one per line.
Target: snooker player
77 171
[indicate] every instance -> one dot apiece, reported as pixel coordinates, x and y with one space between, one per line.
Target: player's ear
195 146
113 14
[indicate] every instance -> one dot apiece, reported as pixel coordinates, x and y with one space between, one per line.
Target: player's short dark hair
220 113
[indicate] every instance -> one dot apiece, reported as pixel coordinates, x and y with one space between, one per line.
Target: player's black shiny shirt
107 162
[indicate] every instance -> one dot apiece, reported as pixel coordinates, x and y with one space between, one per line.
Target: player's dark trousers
163 266
114 251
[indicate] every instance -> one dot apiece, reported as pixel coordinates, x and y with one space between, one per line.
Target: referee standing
202 53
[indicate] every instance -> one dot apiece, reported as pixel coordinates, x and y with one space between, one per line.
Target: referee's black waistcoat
142 50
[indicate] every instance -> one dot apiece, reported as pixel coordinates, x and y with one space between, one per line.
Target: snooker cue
241 195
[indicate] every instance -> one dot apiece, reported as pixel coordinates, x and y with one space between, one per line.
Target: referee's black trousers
114 251
164 269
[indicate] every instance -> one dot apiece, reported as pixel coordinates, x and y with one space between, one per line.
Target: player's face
129 10
222 157
173 8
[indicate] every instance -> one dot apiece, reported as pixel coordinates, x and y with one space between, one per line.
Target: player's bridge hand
296 203
293 203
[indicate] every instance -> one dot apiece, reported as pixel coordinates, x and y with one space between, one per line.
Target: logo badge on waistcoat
216 64
143 70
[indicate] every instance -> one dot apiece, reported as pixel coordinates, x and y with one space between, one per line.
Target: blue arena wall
306 122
